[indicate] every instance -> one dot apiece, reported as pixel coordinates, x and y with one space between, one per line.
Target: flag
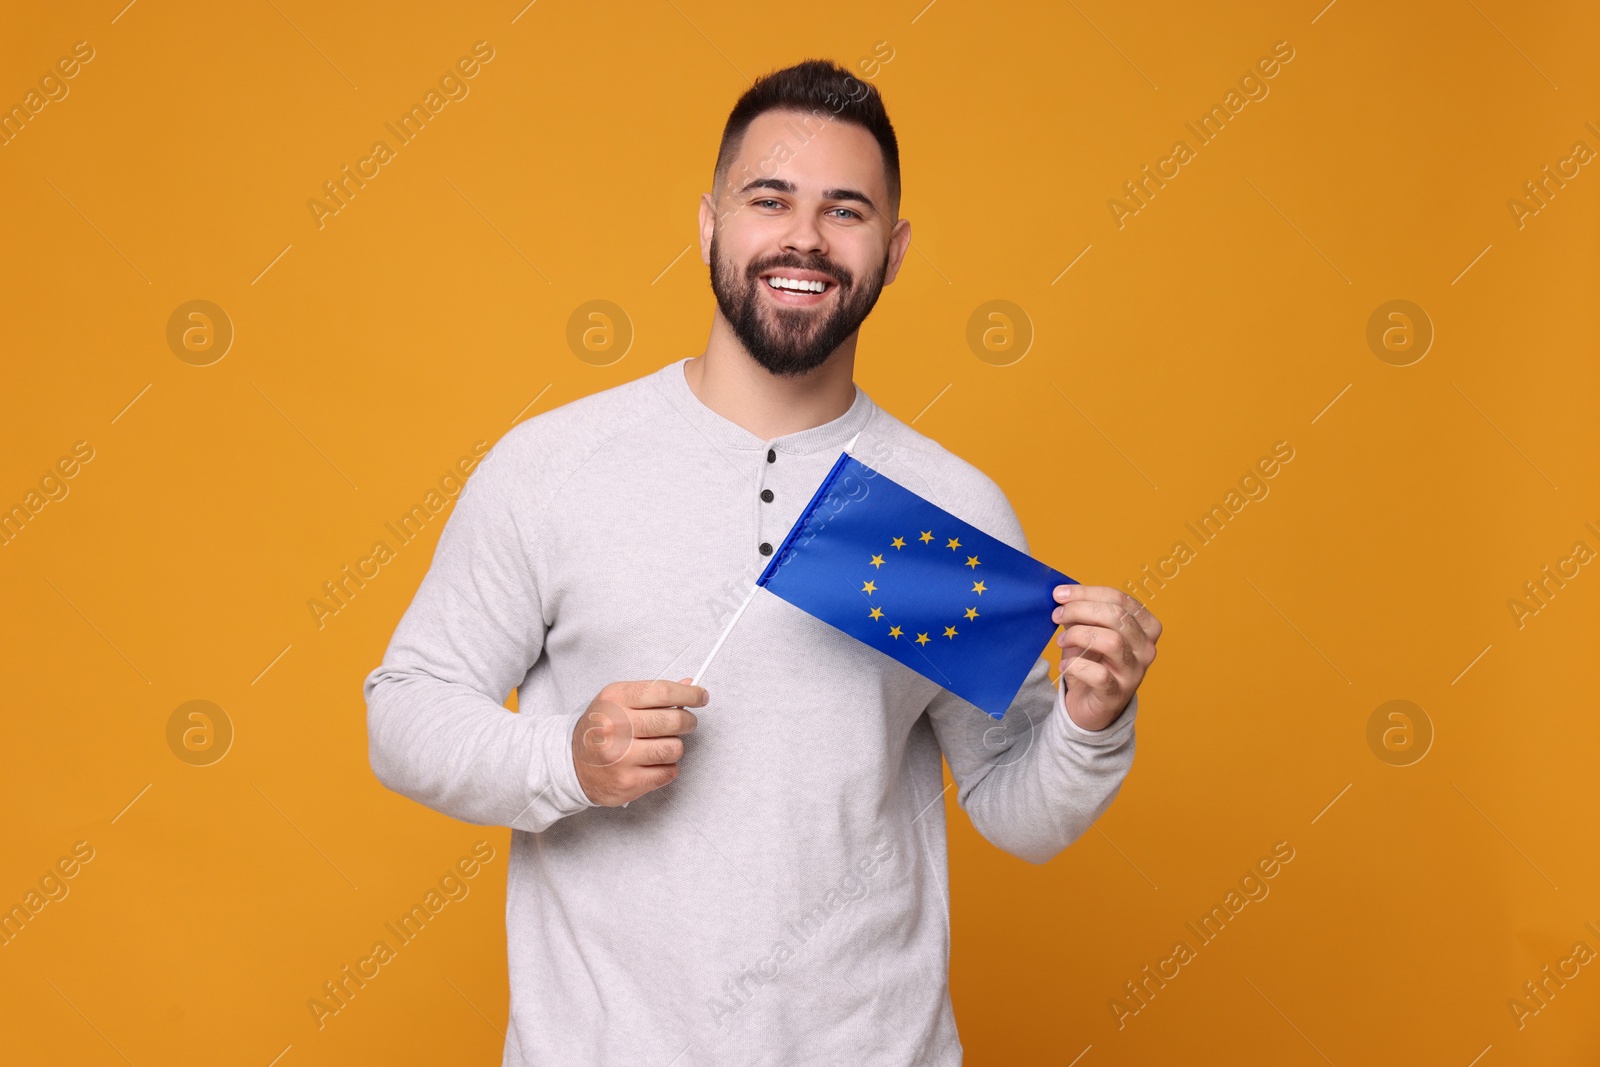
874 560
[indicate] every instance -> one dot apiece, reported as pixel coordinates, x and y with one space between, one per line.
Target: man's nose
804 236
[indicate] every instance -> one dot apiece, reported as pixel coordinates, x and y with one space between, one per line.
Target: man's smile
797 288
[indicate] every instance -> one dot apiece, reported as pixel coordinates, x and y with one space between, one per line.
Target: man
761 879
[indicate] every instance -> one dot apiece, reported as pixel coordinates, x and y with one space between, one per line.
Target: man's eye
765 200
847 211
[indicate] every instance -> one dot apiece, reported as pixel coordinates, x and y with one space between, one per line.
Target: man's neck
728 381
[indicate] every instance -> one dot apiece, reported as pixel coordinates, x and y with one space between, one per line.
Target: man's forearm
450 747
1037 805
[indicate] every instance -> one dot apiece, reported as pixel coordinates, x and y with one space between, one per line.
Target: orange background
432 312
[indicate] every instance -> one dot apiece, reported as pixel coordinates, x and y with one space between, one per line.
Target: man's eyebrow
776 184
782 185
849 194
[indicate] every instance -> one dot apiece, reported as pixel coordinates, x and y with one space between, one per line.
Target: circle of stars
926 537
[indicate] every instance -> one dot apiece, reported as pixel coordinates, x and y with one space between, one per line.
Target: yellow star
950 631
972 561
898 542
876 561
894 631
869 588
927 535
922 639
977 587
877 613
972 613
955 543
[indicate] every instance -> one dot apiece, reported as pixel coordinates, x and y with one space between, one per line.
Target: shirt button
766 549
772 457
766 494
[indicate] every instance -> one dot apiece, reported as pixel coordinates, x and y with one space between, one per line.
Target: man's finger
663 722
1099 643
1127 605
1112 609
660 693
1106 614
656 751
1093 673
656 777
1096 651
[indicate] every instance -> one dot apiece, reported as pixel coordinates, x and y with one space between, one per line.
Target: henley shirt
786 899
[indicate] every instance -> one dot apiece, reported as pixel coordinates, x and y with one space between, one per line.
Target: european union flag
871 558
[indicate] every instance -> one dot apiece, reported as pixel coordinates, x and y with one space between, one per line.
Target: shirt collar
730 434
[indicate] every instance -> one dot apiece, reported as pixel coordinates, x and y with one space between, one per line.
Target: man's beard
792 341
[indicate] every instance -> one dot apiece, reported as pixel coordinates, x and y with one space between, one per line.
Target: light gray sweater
786 899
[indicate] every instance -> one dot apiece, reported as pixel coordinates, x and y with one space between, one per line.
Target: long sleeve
437 728
1035 781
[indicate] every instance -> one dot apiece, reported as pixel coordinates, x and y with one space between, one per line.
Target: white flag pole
726 630
701 673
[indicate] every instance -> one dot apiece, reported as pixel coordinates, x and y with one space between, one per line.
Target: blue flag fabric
871 558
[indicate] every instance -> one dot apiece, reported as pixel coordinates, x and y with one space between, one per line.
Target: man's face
806 201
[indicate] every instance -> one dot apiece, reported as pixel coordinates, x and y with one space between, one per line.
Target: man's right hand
627 743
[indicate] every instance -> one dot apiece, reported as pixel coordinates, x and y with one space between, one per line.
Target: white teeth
797 285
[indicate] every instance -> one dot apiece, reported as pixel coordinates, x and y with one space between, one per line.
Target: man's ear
899 242
708 223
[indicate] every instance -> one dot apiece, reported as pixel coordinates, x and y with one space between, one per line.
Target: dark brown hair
814 87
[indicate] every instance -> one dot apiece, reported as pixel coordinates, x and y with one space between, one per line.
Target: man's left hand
1108 643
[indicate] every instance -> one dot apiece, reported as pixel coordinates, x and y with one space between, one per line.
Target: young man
778 894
